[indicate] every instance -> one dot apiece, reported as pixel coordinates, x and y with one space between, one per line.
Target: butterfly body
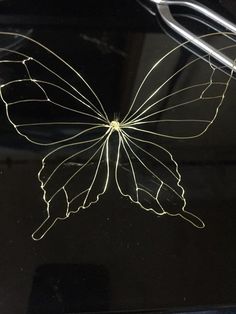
115 125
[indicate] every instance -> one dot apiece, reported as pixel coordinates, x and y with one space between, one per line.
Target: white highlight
115 125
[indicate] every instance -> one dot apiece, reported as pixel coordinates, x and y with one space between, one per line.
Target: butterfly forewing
179 101
48 93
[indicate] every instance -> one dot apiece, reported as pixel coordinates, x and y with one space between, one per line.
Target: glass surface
114 255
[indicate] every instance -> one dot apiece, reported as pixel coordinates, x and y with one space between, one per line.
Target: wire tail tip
43 228
194 220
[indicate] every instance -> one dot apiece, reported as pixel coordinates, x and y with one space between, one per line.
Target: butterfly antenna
116 116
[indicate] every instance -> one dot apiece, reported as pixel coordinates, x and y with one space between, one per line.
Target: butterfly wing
154 178
47 92
174 101
181 94
74 175
50 104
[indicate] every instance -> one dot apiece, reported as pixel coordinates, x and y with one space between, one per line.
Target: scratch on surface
103 45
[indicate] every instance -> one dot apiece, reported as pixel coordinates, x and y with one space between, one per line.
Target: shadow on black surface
69 288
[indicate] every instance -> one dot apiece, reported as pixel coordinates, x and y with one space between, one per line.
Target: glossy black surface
114 256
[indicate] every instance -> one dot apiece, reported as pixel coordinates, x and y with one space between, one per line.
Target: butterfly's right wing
147 173
179 98
50 104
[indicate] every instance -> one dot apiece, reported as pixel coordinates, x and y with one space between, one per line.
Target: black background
114 256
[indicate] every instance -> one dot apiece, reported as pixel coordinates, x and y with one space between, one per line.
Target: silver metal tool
163 6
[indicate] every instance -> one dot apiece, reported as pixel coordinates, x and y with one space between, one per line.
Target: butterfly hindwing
154 178
73 177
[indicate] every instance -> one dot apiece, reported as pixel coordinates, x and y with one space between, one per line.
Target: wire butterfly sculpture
76 172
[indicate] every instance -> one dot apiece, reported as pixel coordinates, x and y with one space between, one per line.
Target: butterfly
50 104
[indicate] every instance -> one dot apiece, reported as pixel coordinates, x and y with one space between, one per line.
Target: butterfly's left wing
50 104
